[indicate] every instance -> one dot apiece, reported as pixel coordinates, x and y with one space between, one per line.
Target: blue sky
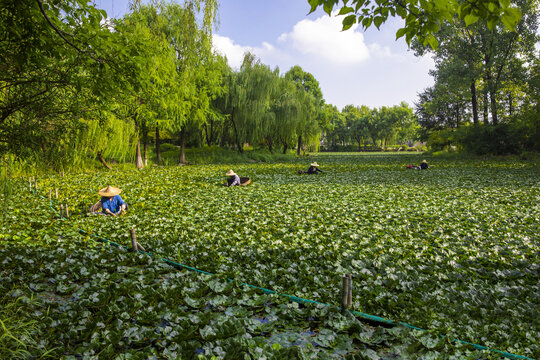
353 67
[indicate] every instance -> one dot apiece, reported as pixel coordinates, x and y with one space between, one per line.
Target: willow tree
56 67
188 101
215 123
312 100
286 108
247 100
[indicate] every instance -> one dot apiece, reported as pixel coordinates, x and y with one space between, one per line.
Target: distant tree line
75 85
360 128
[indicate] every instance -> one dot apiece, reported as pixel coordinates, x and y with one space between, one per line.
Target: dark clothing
233 180
313 170
423 166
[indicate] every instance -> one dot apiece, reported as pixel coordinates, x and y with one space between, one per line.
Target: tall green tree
195 79
149 79
308 128
357 123
56 67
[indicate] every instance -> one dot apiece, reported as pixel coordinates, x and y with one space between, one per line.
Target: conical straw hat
109 191
314 164
230 173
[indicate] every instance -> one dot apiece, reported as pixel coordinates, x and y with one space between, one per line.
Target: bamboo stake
140 247
30 183
56 193
61 211
35 185
349 293
344 294
67 211
50 194
133 240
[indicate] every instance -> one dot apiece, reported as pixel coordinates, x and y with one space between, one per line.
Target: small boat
245 181
96 208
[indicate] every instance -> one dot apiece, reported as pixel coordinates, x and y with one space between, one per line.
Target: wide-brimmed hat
109 191
314 164
230 173
424 161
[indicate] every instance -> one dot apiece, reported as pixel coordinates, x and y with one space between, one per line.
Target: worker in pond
313 169
233 180
423 166
111 202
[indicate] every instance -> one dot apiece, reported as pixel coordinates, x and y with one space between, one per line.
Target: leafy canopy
423 18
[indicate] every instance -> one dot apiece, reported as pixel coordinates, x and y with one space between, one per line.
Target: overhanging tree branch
61 34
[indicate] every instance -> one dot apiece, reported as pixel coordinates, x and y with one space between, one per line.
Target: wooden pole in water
50 194
35 186
56 193
140 247
349 292
30 183
133 240
61 211
67 211
344 294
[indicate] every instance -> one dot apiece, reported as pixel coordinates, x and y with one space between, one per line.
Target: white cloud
233 52
374 70
324 39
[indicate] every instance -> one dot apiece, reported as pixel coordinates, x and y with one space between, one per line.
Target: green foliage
370 129
216 155
482 76
54 60
501 139
423 19
451 249
18 338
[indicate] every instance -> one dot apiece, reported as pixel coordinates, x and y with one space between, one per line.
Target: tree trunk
493 100
270 147
238 145
182 146
145 146
158 148
138 155
284 148
206 135
474 102
212 135
100 157
485 105
486 88
510 105
298 150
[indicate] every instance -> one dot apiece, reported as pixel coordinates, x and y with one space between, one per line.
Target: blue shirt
112 203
